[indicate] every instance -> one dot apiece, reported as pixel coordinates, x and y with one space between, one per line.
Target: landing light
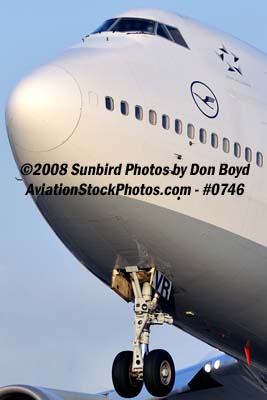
207 368
217 364
189 313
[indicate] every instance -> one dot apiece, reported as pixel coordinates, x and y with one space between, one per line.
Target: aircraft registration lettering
162 285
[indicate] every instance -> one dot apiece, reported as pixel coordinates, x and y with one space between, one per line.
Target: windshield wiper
140 32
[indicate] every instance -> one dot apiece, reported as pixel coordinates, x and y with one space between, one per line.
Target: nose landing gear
133 368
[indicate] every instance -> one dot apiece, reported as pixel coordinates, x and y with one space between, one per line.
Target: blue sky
56 318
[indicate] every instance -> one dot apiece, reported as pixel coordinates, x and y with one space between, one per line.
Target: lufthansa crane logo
205 99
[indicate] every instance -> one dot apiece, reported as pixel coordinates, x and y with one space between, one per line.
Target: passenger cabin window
214 140
176 36
248 154
190 131
226 145
105 26
237 150
124 108
178 126
109 103
139 113
203 136
134 25
165 121
152 117
259 159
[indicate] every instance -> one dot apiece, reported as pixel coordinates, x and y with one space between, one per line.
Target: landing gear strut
133 368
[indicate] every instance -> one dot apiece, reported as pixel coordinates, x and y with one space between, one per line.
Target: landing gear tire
159 373
124 383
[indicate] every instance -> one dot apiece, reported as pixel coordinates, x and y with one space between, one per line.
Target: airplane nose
44 109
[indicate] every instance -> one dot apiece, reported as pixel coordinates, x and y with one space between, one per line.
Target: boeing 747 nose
140 90
44 110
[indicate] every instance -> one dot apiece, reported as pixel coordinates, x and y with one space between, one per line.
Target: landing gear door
162 284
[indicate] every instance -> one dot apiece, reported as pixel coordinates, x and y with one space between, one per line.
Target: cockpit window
177 37
162 31
140 25
105 26
134 25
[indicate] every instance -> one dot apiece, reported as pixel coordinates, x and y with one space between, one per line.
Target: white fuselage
213 248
